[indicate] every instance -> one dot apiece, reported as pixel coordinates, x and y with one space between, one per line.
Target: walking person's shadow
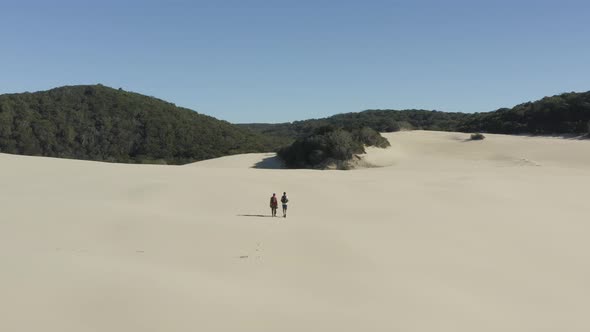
255 215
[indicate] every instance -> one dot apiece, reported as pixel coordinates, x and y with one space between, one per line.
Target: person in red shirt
274 204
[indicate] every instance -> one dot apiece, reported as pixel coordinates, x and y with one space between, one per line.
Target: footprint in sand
257 251
526 162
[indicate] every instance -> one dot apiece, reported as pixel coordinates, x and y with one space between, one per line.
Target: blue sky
275 61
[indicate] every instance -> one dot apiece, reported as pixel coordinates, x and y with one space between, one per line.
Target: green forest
568 113
95 122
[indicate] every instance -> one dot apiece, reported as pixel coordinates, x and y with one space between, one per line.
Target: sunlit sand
447 235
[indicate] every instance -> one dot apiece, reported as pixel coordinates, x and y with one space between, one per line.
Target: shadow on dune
255 215
270 163
461 138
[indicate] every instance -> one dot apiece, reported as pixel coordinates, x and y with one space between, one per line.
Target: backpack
273 201
284 199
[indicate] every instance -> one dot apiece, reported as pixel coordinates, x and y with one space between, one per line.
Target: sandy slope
452 236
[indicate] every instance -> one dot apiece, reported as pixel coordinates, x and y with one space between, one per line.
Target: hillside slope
95 122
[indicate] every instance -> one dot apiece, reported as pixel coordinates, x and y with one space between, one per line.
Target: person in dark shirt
284 201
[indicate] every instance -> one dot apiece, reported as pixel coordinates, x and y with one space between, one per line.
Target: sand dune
242 161
450 235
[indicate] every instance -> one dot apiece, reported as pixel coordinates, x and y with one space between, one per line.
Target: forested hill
95 122
568 113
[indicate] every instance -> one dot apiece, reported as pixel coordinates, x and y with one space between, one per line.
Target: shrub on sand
477 137
330 146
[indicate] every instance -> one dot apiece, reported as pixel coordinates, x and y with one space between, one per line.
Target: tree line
567 113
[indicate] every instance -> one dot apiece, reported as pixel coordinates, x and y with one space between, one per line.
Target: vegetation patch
477 137
331 147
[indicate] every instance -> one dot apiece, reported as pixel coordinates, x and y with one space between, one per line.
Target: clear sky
275 61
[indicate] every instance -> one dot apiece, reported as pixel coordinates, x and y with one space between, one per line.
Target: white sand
453 236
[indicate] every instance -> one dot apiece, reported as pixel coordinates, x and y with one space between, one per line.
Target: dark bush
477 137
370 137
